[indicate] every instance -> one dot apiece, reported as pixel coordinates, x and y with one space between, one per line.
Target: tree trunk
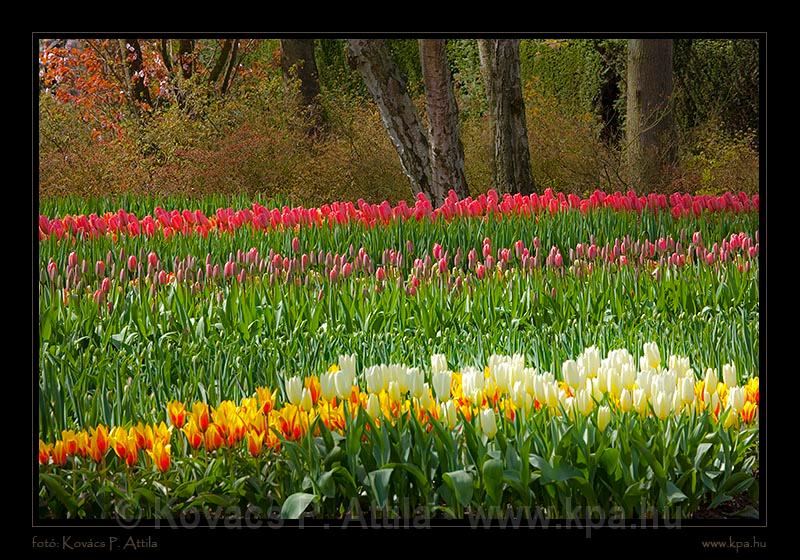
446 150
133 58
219 65
297 60
226 81
186 57
651 133
383 80
500 70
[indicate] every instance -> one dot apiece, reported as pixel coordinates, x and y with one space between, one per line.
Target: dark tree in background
499 60
297 61
373 61
651 135
134 73
446 150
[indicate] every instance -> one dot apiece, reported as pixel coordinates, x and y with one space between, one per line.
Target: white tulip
570 374
627 375
374 378
518 395
687 389
679 364
449 413
425 400
488 422
603 417
438 363
652 355
347 365
625 400
442 380
662 405
584 402
416 382
343 384
736 398
305 400
394 391
327 385
729 375
711 380
294 390
374 406
640 401
589 361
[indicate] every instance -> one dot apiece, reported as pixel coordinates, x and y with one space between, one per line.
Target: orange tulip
193 434
162 433
266 399
313 386
95 451
200 413
160 455
177 413
44 452
119 441
132 452
70 441
100 435
254 442
83 443
59 454
213 438
749 411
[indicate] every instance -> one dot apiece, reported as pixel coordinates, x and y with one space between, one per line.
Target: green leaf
461 484
295 505
674 494
493 479
379 483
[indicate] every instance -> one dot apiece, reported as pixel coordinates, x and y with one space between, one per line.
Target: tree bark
297 60
221 60
446 150
651 135
386 85
186 57
133 58
500 70
226 81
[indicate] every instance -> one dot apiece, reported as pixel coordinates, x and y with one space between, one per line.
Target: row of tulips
504 390
185 222
505 434
440 262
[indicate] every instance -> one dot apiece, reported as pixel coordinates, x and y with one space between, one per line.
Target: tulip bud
711 380
603 417
306 403
625 400
374 406
448 411
687 389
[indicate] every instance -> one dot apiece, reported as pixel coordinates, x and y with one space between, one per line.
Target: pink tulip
480 272
296 245
152 259
72 260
